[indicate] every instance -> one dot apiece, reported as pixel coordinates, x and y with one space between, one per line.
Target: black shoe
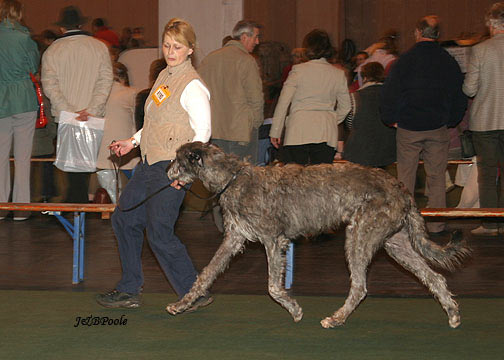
202 301
117 299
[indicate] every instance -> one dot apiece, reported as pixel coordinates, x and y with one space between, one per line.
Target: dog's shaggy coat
275 204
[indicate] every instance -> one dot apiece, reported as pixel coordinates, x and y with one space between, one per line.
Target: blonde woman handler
176 112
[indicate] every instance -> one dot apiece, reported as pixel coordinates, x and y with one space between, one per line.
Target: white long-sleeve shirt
195 99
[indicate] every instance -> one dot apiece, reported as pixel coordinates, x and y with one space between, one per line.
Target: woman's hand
83 115
275 142
121 147
177 184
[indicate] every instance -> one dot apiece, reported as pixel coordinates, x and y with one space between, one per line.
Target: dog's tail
448 256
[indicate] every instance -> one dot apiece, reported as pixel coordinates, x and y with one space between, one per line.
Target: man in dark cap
77 77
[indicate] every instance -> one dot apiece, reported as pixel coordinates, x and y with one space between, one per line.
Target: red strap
42 119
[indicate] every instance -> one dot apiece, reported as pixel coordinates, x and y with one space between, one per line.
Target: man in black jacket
423 97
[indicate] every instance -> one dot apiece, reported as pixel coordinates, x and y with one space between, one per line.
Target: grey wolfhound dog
275 204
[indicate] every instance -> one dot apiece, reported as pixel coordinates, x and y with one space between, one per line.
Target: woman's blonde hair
180 31
11 10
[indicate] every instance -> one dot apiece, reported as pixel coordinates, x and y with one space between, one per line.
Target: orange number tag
161 94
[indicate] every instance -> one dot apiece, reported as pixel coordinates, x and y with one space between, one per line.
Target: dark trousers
433 145
489 146
48 186
158 216
78 186
309 154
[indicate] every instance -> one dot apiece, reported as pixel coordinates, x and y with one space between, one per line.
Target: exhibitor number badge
161 94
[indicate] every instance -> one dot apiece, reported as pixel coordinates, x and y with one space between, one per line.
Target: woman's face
174 52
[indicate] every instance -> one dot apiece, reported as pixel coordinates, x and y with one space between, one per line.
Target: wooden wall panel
278 18
321 14
289 21
367 20
41 15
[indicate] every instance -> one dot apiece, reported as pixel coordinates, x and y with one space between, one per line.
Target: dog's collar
233 178
216 195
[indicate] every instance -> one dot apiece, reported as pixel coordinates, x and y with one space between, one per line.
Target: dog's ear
196 157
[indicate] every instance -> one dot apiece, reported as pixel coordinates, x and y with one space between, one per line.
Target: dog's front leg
231 245
276 269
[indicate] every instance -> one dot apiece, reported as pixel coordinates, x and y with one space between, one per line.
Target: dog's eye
194 157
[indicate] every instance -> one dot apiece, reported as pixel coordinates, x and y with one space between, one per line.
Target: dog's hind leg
231 245
276 268
401 250
360 246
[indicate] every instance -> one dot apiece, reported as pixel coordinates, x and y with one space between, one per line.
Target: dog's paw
454 319
175 308
298 316
330 322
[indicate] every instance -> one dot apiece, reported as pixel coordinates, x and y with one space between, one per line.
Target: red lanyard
42 119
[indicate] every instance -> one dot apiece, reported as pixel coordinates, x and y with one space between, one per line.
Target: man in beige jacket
485 81
76 77
237 101
236 96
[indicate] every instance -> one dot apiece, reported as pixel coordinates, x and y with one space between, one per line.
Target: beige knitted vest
166 127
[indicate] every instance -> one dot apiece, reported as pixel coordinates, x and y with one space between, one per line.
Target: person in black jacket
423 96
370 142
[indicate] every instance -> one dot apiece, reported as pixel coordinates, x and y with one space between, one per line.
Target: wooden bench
76 230
426 212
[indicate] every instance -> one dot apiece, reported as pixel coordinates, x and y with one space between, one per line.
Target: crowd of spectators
374 107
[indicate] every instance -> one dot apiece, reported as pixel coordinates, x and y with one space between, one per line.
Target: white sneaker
2 217
483 231
21 215
20 218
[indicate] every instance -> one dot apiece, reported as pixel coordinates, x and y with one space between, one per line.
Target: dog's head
190 161
206 162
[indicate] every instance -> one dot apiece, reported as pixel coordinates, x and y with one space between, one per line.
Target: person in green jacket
18 103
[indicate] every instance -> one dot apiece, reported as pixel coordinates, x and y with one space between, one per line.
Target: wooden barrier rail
39 159
61 207
462 212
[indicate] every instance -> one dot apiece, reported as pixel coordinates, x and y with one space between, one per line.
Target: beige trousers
16 130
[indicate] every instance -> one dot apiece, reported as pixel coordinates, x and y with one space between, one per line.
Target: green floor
40 325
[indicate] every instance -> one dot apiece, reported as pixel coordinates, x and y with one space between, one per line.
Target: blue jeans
158 216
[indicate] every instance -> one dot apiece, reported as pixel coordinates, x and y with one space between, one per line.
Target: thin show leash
116 170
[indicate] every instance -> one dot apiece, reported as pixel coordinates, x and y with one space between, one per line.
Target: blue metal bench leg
82 223
76 231
76 248
289 267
